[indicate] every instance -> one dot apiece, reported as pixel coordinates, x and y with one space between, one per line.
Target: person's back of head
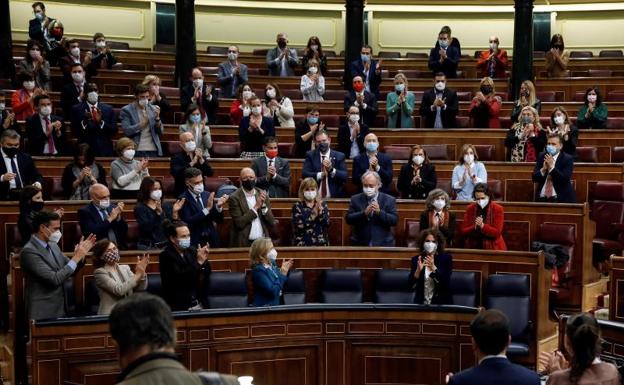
490 332
582 342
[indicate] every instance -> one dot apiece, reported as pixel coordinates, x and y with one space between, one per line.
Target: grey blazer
45 276
130 120
275 64
227 82
279 186
113 286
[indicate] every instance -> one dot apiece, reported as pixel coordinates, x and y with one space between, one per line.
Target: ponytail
584 336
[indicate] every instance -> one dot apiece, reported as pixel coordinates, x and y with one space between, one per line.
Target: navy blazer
441 278
376 229
501 369
180 162
27 170
357 69
448 115
448 66
344 139
361 165
312 166
98 136
209 106
561 177
202 226
37 139
268 284
70 96
35 31
252 141
367 116
91 222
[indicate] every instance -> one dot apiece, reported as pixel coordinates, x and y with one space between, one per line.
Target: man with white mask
197 91
232 74
190 156
372 214
102 218
45 131
141 122
73 89
46 268
439 105
93 122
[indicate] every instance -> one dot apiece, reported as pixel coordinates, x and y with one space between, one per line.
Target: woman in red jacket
483 222
485 108
240 107
21 100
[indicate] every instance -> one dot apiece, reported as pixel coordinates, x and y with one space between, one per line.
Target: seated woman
468 173
526 138
268 279
485 106
83 172
431 270
240 106
527 97
277 106
583 343
23 97
149 214
253 130
310 216
593 114
127 172
312 85
561 125
198 127
314 51
483 222
557 58
30 202
305 129
400 104
35 63
156 97
114 281
418 175
437 215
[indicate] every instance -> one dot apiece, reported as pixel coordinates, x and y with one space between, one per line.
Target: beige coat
597 374
113 286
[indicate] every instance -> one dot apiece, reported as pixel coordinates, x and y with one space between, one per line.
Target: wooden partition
616 292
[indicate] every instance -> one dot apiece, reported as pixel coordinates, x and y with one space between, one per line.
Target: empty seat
485 152
617 154
509 293
587 154
600 73
154 283
212 183
334 95
579 96
217 50
53 188
615 96
71 235
341 286
436 151
389 54
539 54
286 150
260 51
607 211
132 236
92 297
417 55
163 68
170 92
496 188
464 96
392 286
329 53
226 290
610 53
293 94
465 288
225 150
581 54
397 152
294 289
171 147
412 233
546 96
463 121
331 121
615 123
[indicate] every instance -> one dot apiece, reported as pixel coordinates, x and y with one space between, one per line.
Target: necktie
94 113
18 180
324 192
111 233
438 118
104 63
52 258
199 201
549 188
270 162
51 148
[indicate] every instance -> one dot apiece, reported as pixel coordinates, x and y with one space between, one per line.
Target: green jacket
393 110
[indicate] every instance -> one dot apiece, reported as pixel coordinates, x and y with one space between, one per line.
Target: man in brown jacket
250 209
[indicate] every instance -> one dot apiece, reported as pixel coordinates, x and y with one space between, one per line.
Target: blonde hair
149 79
532 97
465 149
488 81
536 116
259 250
401 76
123 143
306 184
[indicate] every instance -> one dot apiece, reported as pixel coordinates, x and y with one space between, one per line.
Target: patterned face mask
111 256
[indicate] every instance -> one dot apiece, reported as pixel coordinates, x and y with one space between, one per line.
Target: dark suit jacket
37 139
34 30
96 60
374 230
302 147
13 126
344 139
209 106
242 217
99 136
441 278
429 180
27 170
70 96
448 115
202 226
361 164
357 69
312 165
561 175
182 277
180 162
252 141
500 369
448 66
91 222
279 186
367 116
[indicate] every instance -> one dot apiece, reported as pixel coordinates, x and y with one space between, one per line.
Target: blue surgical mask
399 87
527 120
312 119
552 150
372 146
195 118
365 58
184 243
443 43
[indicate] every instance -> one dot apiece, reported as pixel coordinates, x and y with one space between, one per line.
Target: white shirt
332 174
355 149
44 127
256 226
543 192
7 164
91 107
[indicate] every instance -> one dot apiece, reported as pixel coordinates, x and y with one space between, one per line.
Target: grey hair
374 173
435 194
9 134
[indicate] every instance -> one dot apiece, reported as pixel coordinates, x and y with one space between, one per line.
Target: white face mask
55 237
559 120
256 110
493 46
190 146
198 188
198 83
75 52
418 159
272 255
246 111
369 191
45 110
143 102
78 77
469 158
270 93
92 97
104 203
156 195
29 85
232 56
354 118
2 106
483 202
430 246
247 94
440 86
314 47
35 54
100 44
592 98
309 195
129 154
439 204
312 70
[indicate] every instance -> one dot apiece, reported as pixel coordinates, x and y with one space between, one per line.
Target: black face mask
486 90
249 184
559 47
323 147
524 93
36 206
10 151
281 44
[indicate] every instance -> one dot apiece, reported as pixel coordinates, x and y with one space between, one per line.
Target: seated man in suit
232 74
72 92
190 156
140 121
102 218
272 171
373 160
365 101
45 132
490 338
444 57
202 94
94 122
368 69
201 209
351 134
372 214
282 60
46 268
553 173
439 105
101 56
326 166
250 209
17 169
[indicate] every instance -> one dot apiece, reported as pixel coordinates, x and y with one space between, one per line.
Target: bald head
98 192
185 137
247 173
371 143
494 42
